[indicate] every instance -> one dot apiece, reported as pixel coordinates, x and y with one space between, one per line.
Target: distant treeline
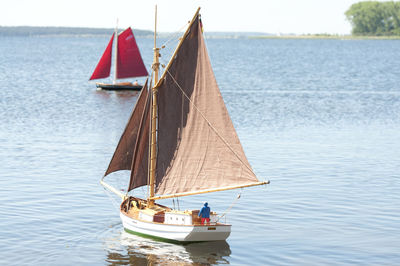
40 31
374 18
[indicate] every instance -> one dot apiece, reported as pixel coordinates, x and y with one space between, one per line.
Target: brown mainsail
198 147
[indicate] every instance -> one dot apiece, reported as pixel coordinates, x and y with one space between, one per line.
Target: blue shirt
205 212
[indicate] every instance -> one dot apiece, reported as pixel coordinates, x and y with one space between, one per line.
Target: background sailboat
180 141
128 62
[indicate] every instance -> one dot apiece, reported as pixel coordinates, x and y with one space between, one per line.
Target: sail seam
209 124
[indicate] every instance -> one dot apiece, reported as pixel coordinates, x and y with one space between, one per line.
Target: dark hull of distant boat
119 86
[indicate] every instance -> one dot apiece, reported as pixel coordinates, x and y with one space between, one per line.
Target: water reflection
120 95
209 252
136 250
126 94
102 93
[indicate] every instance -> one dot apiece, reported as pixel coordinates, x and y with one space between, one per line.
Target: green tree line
372 18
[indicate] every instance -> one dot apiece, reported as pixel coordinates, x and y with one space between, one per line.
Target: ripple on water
319 118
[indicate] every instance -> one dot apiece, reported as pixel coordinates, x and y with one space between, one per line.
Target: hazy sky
270 16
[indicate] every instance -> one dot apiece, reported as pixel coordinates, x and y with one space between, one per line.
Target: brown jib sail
132 150
197 146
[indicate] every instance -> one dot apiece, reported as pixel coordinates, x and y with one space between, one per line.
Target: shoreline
322 36
34 31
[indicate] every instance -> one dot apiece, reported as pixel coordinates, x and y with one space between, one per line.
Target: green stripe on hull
161 239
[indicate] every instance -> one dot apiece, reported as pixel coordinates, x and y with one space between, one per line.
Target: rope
230 207
113 201
174 36
164 60
209 124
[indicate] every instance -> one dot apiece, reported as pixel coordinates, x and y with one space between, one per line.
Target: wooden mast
154 110
153 141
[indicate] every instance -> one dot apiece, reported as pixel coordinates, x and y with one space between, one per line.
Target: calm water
319 118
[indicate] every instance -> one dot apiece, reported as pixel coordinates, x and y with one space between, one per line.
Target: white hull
179 233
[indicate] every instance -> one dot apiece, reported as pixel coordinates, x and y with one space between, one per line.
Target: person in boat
204 213
135 83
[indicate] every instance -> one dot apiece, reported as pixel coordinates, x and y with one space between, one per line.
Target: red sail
129 60
103 67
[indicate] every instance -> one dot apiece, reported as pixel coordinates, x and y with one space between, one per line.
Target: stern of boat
165 224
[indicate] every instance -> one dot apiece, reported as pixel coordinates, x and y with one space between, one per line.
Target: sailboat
179 141
128 62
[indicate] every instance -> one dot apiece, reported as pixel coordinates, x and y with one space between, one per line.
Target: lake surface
320 119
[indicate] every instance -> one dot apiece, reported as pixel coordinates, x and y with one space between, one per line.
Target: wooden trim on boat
112 189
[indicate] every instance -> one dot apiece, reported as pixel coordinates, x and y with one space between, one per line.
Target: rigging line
177 33
210 125
112 199
230 207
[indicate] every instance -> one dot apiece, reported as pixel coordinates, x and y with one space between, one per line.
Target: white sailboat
179 141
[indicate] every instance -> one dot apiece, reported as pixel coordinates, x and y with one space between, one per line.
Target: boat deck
136 208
